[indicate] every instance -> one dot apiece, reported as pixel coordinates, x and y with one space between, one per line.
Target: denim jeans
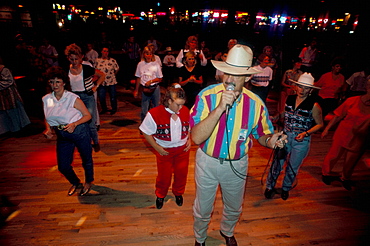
66 143
102 91
90 104
146 100
296 152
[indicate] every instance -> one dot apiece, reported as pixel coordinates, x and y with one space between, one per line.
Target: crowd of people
221 112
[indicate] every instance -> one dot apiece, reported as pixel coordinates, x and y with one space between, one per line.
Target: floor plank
120 210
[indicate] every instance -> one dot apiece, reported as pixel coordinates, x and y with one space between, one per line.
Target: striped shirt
263 78
247 116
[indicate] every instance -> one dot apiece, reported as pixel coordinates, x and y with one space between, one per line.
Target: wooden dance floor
120 209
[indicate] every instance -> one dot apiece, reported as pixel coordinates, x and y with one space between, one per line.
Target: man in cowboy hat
223 119
302 117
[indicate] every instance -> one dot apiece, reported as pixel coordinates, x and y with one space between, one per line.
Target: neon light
283 19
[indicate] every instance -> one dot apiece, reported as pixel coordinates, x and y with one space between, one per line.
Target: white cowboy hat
307 80
238 61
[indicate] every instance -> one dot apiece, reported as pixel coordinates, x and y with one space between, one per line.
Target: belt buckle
61 127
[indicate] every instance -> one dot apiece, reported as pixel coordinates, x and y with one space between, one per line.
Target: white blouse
58 112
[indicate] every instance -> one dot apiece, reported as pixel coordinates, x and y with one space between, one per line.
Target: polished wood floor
120 209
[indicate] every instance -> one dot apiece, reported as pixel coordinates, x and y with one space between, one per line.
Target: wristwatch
307 134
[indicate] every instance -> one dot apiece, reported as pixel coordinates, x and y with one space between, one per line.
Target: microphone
229 87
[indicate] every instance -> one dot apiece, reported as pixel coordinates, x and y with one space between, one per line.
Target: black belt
84 92
222 159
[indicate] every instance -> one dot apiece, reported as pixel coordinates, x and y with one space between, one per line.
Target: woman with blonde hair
149 75
191 45
190 78
82 84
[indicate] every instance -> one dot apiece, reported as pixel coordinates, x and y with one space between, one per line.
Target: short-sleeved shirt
149 127
62 111
247 116
358 81
308 55
109 68
263 78
135 50
148 71
91 56
329 86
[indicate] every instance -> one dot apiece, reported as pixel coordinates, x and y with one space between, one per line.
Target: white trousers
209 173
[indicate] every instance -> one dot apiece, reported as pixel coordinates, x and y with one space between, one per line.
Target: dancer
67 115
166 128
302 118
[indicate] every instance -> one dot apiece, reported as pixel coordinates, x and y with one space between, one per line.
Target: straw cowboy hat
168 49
238 62
307 80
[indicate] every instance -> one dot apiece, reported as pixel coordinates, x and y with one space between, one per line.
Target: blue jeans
296 151
146 100
66 143
90 104
102 91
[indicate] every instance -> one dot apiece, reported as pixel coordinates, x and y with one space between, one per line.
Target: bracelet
267 140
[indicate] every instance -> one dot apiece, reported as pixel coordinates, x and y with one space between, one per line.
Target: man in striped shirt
223 119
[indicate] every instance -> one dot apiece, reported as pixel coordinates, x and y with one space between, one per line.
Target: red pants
176 162
336 151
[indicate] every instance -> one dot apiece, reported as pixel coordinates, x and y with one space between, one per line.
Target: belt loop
222 160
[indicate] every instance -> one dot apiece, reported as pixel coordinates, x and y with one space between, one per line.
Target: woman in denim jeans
85 81
302 117
148 76
66 114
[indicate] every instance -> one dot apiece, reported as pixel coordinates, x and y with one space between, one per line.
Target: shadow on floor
107 197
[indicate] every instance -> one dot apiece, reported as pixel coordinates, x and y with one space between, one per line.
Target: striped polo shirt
247 116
